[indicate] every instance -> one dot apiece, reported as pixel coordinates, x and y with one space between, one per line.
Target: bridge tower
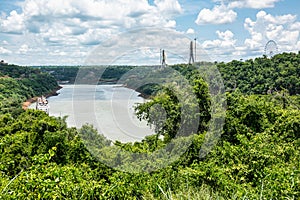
164 58
191 60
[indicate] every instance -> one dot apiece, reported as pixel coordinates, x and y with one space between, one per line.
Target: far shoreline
32 100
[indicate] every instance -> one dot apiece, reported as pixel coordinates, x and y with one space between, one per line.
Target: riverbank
29 101
138 90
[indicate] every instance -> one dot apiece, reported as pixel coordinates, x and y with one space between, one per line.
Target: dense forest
69 74
254 76
263 75
256 157
20 83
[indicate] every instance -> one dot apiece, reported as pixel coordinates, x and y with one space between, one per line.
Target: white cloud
95 36
14 23
295 26
168 7
224 48
226 36
53 19
255 42
218 15
58 53
142 47
256 4
23 49
170 24
239 52
281 19
282 29
224 13
4 42
190 31
225 42
107 13
4 51
75 26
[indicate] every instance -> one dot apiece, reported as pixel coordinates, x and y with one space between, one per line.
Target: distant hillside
19 83
100 74
263 75
255 76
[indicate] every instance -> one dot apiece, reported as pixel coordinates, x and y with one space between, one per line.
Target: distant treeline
263 75
254 76
19 83
97 74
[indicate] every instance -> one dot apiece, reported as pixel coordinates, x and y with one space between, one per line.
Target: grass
204 192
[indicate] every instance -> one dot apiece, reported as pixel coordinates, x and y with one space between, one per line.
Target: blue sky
76 32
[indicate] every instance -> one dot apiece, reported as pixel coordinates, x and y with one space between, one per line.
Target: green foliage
33 133
62 73
39 84
263 75
99 74
20 83
257 156
176 108
12 94
51 181
18 72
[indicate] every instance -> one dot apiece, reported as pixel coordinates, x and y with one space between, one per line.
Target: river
109 108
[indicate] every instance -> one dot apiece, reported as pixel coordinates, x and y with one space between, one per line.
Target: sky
79 32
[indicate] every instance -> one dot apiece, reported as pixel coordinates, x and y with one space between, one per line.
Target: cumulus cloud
170 24
224 48
13 23
256 4
190 31
107 13
225 13
4 51
70 17
218 15
142 46
71 24
226 36
295 26
23 49
168 7
283 29
225 42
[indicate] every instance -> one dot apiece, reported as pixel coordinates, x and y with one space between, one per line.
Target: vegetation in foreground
257 156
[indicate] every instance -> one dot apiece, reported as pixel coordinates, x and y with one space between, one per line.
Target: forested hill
257 155
102 74
263 75
255 76
19 83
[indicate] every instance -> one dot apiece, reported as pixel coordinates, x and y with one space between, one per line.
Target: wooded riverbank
29 101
